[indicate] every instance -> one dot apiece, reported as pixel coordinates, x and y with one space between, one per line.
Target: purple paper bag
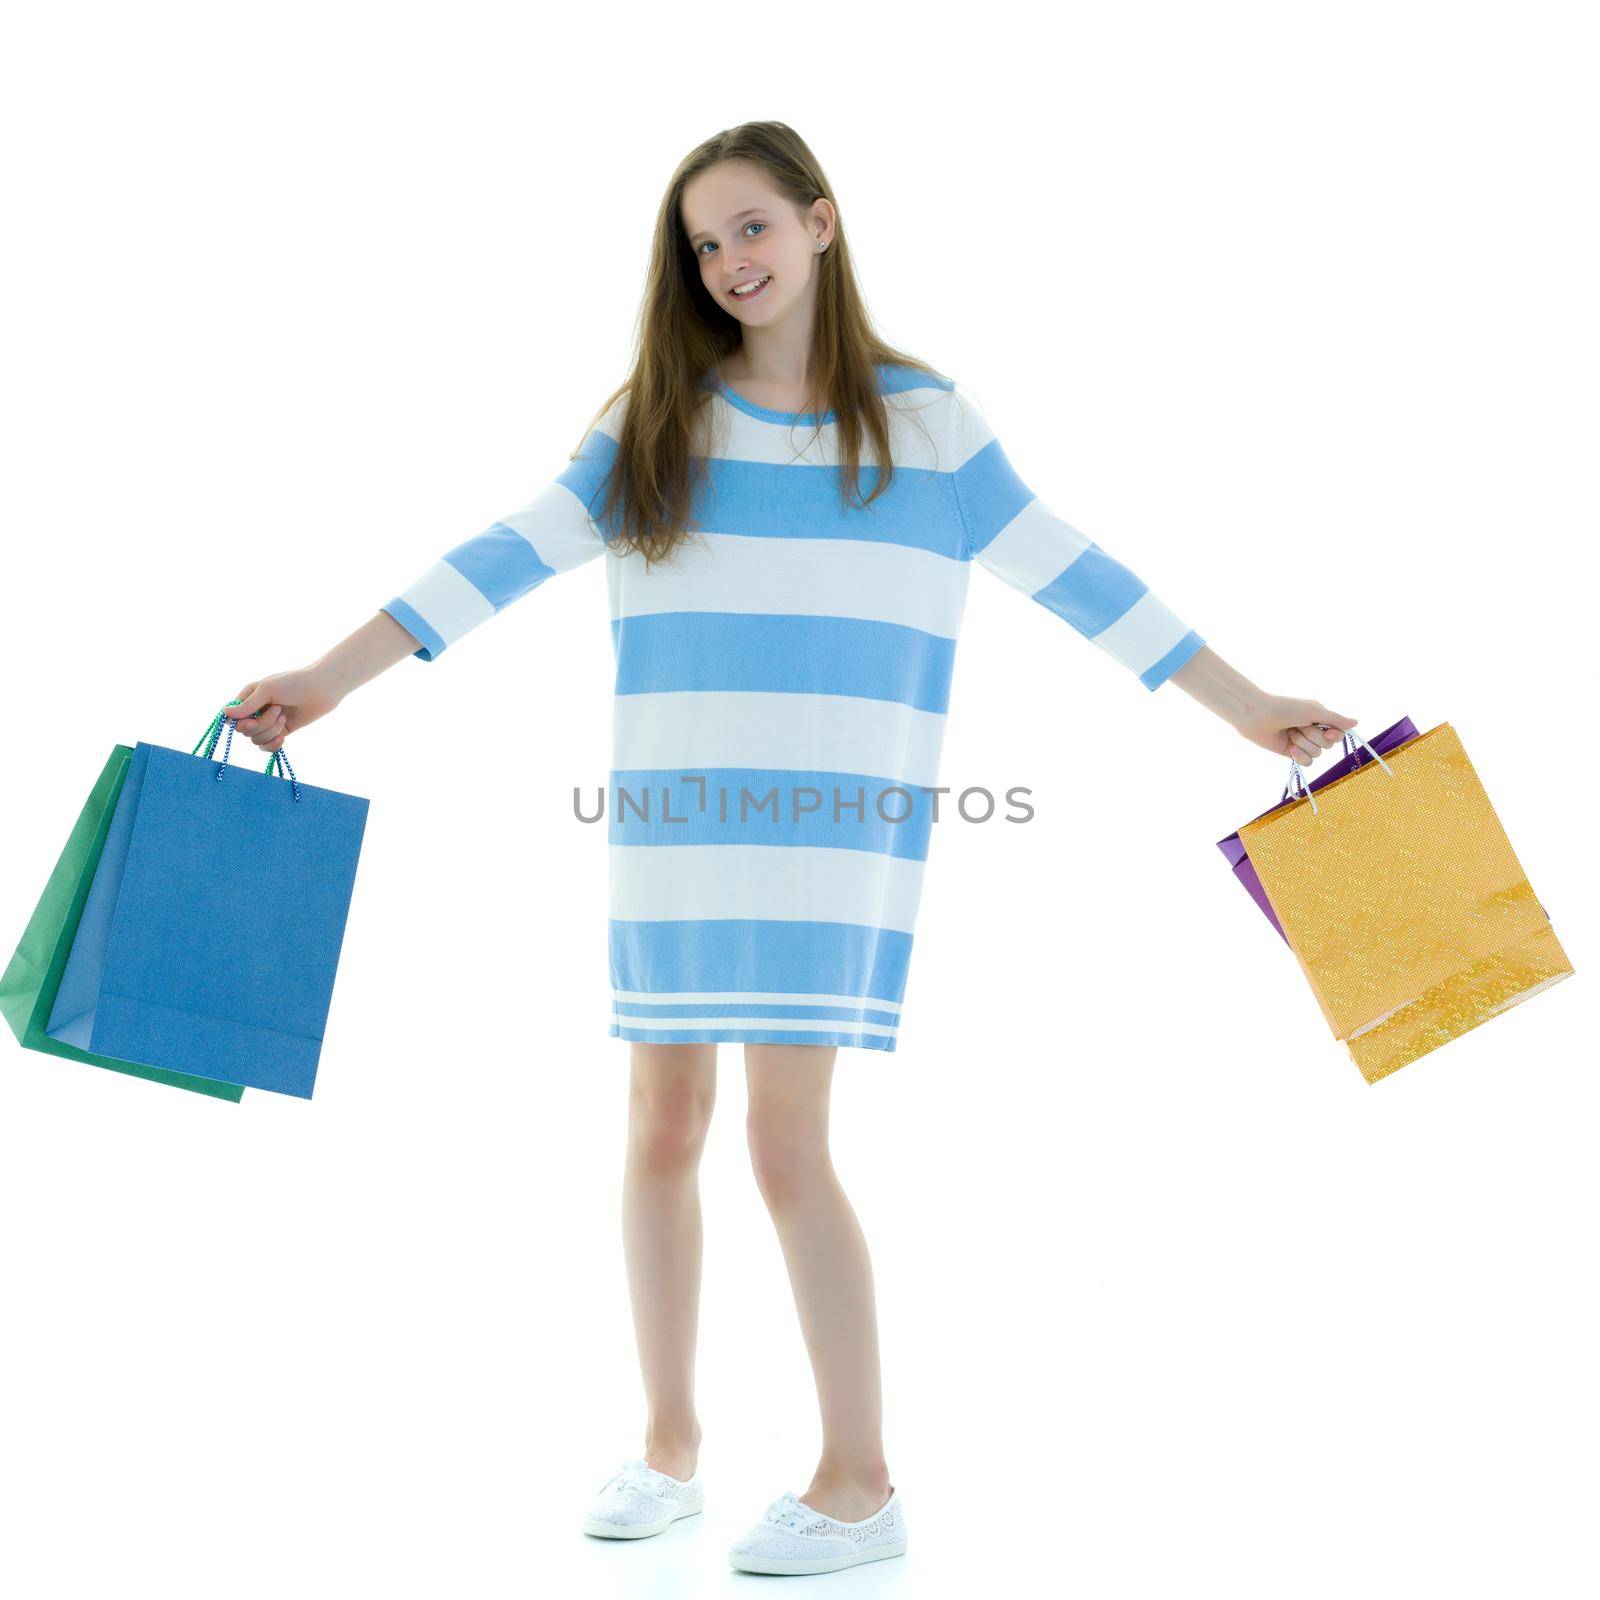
1234 850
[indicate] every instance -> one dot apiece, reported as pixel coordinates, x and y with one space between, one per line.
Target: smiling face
741 230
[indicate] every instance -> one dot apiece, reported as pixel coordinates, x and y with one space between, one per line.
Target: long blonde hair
683 336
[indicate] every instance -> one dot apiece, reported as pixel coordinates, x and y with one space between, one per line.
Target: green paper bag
28 987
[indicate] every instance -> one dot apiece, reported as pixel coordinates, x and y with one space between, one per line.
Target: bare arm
373 648
273 707
1217 686
1283 724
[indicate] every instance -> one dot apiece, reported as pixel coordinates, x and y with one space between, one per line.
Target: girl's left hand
1289 727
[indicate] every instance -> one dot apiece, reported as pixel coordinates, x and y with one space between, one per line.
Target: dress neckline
766 413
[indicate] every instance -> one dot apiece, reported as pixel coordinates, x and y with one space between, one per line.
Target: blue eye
701 250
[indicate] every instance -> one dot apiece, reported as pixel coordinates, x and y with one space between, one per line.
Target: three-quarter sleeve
1013 533
553 533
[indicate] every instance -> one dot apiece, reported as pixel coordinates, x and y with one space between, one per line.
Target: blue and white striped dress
780 700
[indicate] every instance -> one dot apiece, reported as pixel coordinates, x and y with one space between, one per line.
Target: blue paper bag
211 934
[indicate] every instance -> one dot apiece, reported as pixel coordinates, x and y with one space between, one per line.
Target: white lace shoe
793 1538
638 1501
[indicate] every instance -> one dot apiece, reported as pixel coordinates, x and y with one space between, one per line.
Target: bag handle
1352 747
214 732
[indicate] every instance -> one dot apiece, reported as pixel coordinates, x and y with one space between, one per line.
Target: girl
784 650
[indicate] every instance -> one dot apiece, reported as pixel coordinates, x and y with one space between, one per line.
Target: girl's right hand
1288 726
272 708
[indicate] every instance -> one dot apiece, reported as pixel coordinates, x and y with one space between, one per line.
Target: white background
1292 309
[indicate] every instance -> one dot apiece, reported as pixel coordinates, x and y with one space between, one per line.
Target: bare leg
671 1093
829 1269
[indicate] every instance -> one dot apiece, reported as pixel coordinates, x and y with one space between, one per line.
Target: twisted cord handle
1352 745
214 732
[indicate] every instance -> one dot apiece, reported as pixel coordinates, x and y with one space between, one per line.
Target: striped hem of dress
866 1023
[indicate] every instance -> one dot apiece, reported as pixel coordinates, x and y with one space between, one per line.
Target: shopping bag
1231 847
30 982
213 945
1399 893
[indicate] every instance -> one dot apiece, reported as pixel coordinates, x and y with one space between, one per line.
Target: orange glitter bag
1400 895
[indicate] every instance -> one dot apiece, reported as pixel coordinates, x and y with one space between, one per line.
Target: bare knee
788 1153
669 1111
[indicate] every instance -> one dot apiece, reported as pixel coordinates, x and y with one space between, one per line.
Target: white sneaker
793 1538
638 1501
